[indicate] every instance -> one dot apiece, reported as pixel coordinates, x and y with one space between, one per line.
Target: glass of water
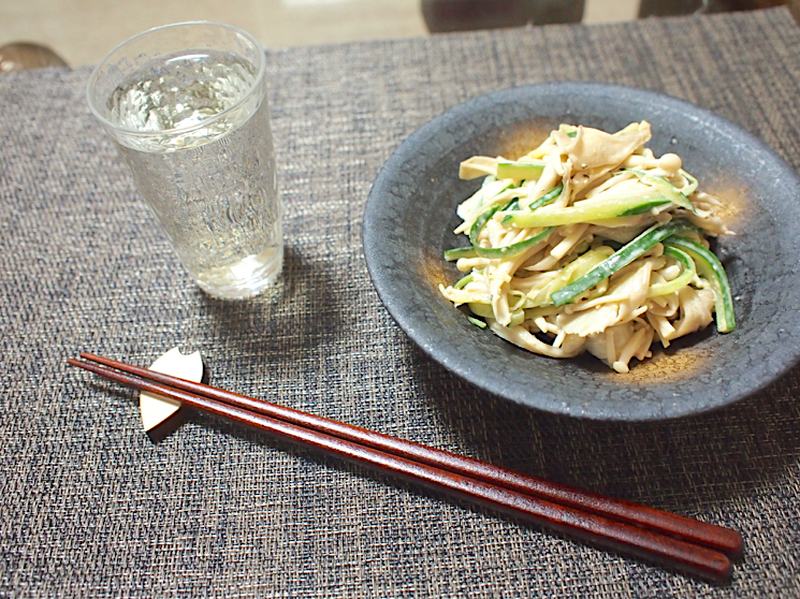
186 105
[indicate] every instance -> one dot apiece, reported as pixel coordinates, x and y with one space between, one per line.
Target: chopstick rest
156 410
564 509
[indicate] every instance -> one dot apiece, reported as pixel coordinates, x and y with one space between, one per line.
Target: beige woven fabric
89 507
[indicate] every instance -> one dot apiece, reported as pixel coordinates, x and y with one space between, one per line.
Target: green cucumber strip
479 223
587 211
483 218
581 265
456 253
689 189
478 323
486 196
711 269
527 171
482 310
619 259
503 252
666 188
517 318
547 198
645 206
492 204
688 272
463 281
514 249
571 272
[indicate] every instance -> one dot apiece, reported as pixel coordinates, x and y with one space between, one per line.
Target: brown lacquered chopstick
693 531
588 526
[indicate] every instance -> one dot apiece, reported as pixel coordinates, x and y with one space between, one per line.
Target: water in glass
203 160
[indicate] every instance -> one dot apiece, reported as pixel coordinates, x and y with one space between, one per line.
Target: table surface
89 506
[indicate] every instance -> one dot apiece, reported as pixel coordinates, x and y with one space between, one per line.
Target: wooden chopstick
503 490
693 531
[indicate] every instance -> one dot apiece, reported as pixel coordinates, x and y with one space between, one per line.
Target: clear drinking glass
186 105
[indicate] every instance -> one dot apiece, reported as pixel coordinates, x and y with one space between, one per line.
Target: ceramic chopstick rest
154 409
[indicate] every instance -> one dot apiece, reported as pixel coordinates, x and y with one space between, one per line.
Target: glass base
247 278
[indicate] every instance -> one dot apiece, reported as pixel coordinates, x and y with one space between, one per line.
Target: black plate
410 216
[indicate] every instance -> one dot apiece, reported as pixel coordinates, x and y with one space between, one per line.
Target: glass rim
90 85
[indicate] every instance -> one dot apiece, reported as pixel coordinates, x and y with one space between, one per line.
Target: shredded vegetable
590 242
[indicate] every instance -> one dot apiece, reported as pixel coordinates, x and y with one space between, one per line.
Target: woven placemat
89 507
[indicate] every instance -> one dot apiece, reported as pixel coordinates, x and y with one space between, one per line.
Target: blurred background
81 32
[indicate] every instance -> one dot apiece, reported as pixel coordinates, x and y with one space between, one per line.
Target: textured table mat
89 507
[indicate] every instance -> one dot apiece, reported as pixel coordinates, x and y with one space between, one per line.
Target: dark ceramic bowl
410 216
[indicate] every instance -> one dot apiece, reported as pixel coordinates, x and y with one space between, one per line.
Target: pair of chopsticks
670 540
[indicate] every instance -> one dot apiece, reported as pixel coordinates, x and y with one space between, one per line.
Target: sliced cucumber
457 253
688 273
463 281
571 272
547 198
711 269
514 249
666 188
477 322
691 185
482 310
587 211
619 259
519 171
